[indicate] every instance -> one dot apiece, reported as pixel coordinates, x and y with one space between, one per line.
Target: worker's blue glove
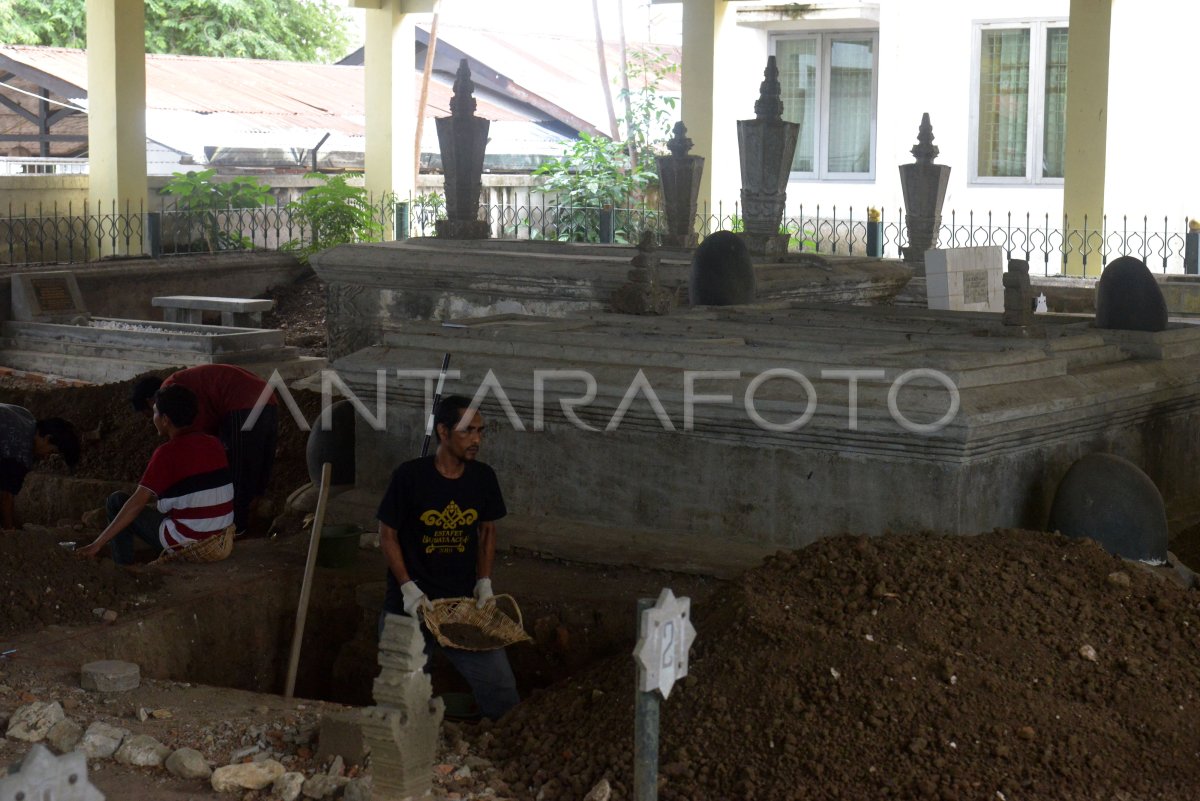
483 592
414 598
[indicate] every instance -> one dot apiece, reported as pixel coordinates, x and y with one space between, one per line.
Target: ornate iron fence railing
1052 246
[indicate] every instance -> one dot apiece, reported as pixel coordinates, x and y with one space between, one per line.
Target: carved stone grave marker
45 777
50 297
965 279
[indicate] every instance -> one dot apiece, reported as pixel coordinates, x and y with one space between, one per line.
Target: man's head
461 438
142 396
176 406
56 435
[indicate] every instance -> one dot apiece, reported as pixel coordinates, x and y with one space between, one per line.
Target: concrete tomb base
803 421
374 288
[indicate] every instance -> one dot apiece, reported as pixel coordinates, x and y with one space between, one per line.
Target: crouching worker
24 441
188 477
437 531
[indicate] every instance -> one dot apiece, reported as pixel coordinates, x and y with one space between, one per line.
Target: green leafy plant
428 208
335 213
204 201
284 30
650 114
593 172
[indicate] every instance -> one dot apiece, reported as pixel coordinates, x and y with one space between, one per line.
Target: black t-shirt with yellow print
437 520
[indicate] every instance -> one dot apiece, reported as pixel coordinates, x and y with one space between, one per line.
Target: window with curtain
1021 90
828 83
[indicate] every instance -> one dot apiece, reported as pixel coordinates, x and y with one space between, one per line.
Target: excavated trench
231 624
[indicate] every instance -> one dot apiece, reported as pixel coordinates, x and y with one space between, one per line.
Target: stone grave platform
52 332
373 287
979 439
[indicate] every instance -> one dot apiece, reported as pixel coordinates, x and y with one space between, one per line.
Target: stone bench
236 312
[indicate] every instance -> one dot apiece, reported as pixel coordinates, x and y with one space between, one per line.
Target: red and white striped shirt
190 476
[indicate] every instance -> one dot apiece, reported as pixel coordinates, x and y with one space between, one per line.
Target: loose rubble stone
323 785
142 751
110 676
288 786
250 776
64 735
188 763
601 792
101 740
32 722
357 790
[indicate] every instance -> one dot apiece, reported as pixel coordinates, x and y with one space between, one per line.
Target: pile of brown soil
42 583
117 442
300 313
1008 665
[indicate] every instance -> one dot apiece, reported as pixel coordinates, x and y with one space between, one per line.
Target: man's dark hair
177 404
62 435
143 392
449 411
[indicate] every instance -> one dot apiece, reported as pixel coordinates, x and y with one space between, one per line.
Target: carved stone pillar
766 145
924 186
679 174
462 138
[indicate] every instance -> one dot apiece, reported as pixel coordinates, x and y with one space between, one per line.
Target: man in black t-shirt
437 531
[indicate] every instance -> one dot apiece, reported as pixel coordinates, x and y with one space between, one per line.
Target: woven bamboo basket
212 549
459 623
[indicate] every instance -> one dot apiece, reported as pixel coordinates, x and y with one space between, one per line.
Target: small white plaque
664 639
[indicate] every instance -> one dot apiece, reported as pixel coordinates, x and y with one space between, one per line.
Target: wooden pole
429 53
306 587
608 101
633 154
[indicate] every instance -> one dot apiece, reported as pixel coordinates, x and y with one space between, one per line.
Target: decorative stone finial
925 150
462 104
769 106
679 144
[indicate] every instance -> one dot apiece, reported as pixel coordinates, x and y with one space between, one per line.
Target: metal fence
56 235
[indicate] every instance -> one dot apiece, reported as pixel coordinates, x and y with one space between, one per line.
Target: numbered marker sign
665 637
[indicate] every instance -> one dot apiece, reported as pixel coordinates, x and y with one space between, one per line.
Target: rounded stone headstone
110 676
1128 297
1110 500
334 444
722 272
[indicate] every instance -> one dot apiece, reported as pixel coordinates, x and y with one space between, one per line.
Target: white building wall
926 65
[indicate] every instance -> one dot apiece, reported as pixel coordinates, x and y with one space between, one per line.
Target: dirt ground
1007 665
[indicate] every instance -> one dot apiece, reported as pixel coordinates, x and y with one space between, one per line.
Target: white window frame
1035 143
824 41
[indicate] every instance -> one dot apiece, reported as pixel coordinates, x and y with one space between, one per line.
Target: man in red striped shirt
188 475
228 396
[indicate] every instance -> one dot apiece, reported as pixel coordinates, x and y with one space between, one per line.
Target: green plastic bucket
338 546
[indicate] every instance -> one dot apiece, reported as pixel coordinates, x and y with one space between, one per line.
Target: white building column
116 63
391 99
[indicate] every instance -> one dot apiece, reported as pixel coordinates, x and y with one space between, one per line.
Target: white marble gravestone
965 279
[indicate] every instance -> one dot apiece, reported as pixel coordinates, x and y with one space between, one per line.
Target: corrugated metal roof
293 89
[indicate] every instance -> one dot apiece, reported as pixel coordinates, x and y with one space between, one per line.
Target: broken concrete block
142 751
188 763
357 789
323 785
32 722
110 676
288 786
101 740
248 776
64 735
341 735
